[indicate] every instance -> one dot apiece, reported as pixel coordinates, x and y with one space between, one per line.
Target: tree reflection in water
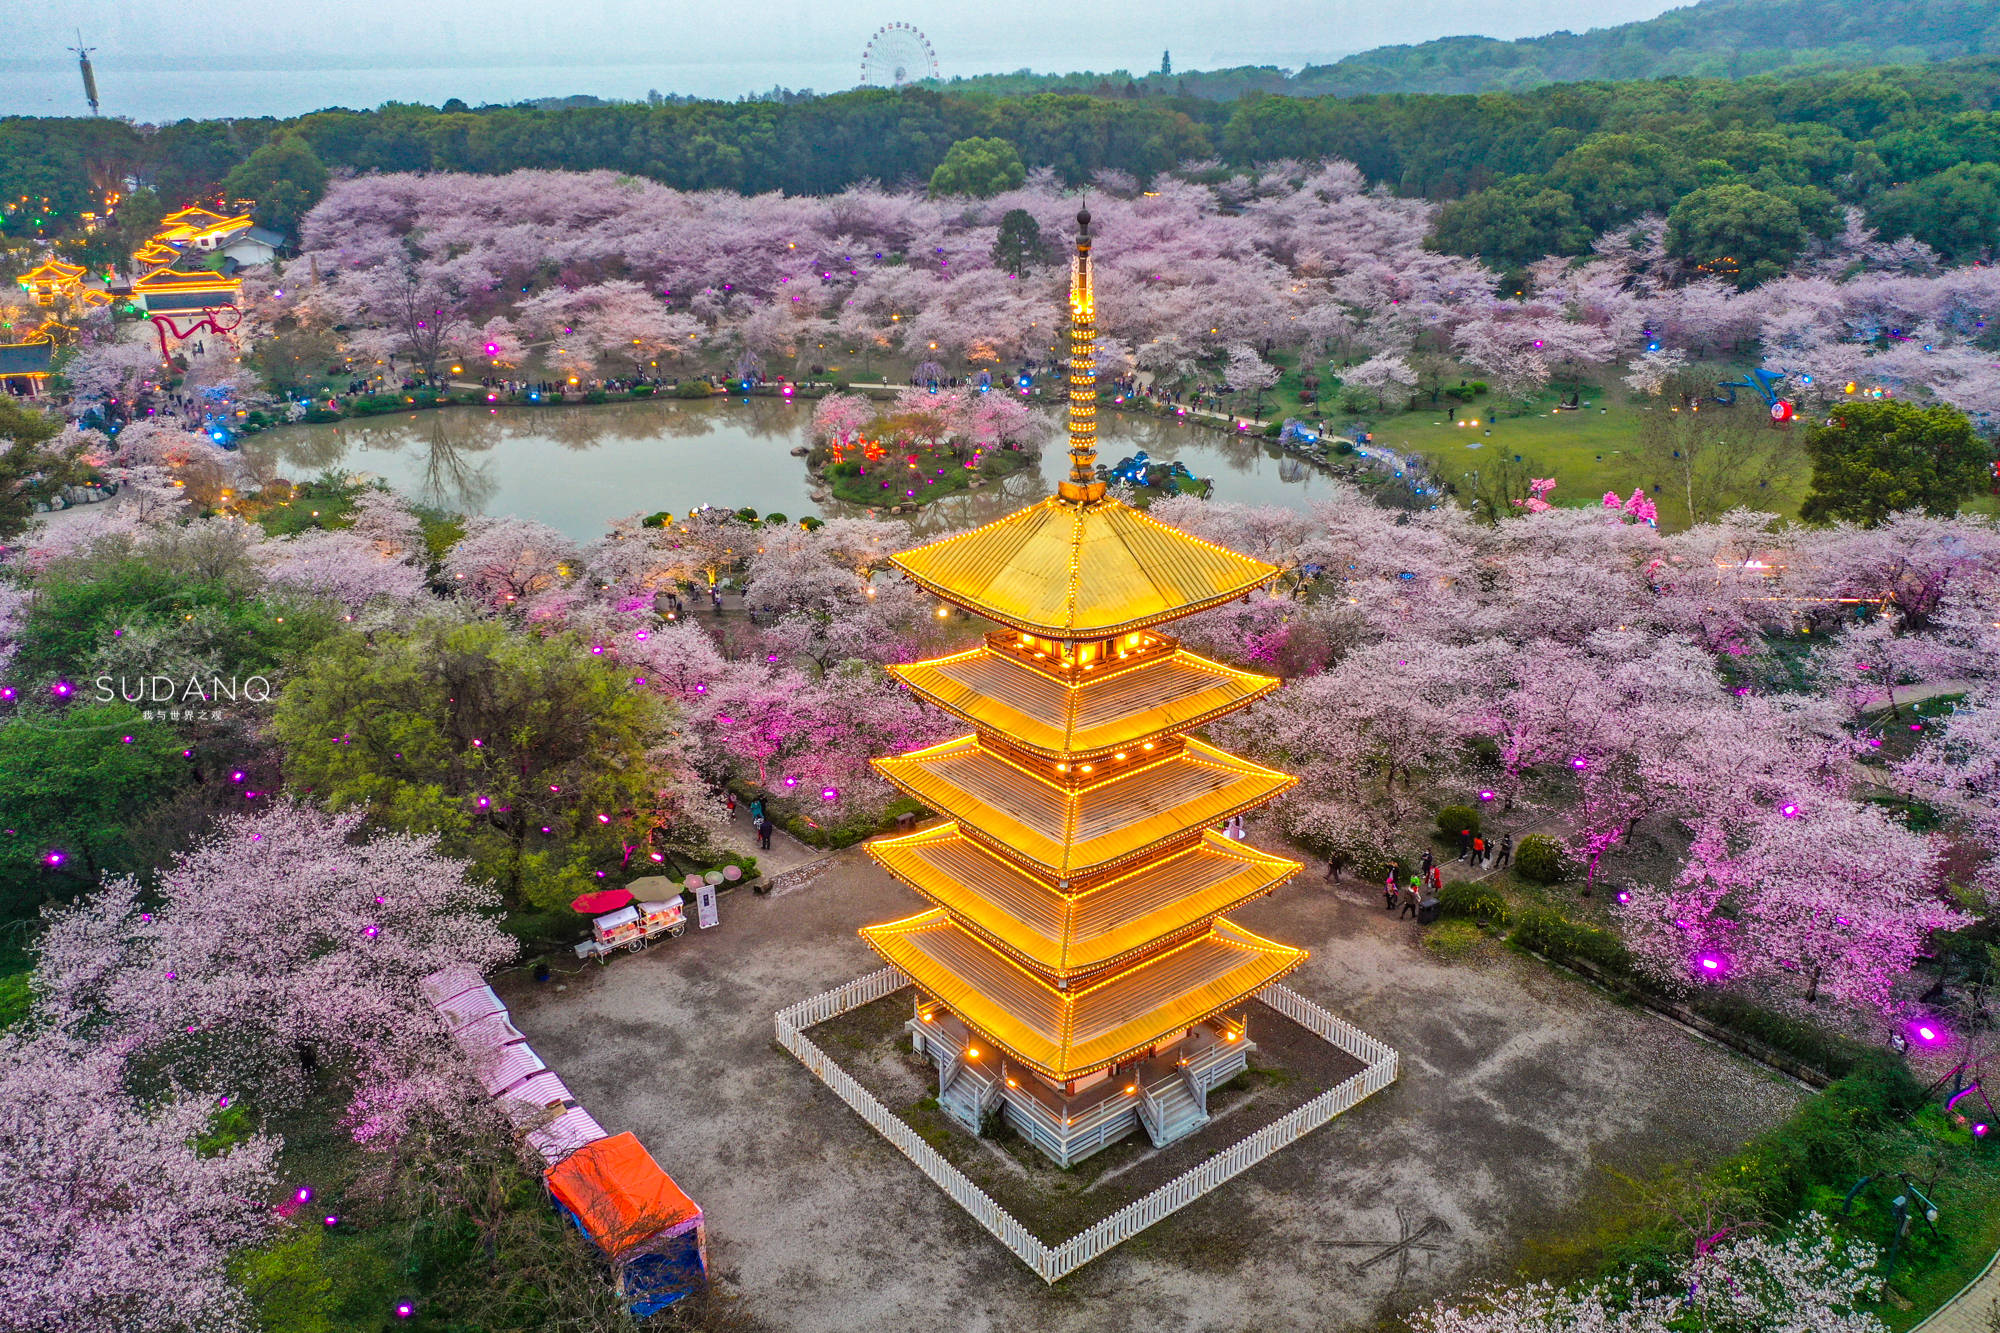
450 479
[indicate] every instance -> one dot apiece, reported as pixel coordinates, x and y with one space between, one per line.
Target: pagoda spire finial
1082 485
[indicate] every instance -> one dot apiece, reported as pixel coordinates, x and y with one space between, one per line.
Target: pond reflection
577 468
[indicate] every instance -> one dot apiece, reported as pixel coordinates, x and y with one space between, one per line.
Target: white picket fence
1055 1261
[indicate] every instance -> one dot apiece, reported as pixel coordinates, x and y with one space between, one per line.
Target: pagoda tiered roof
1067 1034
1065 933
1074 831
1088 712
1080 893
1081 571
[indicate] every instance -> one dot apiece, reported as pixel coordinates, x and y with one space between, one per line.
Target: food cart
633 927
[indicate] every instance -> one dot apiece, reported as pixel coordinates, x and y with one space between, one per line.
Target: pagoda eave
1090 717
1072 834
1065 1035
1070 934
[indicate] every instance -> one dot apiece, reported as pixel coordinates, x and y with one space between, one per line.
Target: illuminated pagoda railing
1076 972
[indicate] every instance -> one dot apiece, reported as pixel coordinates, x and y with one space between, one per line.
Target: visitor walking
1478 851
1464 843
757 810
1436 878
1506 856
1412 898
1389 891
1428 862
763 834
1334 862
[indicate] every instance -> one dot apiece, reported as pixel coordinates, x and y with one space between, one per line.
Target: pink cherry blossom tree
502 562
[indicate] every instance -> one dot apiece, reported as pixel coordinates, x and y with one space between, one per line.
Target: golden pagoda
1076 971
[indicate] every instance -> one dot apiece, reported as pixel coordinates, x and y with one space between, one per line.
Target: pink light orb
1874 742
379 900
371 931
1486 793
303 1194
126 740
828 793
483 802
597 650
62 689
655 856
1789 810
56 858
237 776
477 742
1916 726
604 819
1711 965
405 1310
791 782
701 689
1979 1131
7 694
1624 896
545 828
642 635
1929 1032
331 1220
553 787
638 680
223 1101
1579 763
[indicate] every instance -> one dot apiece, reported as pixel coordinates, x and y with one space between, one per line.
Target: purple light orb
483 802
62 689
1789 810
56 857
1624 896
126 740
791 782
303 1194
1486 793
1916 726
405 1310
1874 742
7 694
1579 763
237 776
223 1101
1711 965
701 689
829 793
597 650
1979 1131
1929 1032
371 930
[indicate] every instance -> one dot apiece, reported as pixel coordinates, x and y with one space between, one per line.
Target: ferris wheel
897 54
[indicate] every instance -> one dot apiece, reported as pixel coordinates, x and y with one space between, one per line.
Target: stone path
1976 1309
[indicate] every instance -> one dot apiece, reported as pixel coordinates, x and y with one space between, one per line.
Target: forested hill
1713 39
1717 39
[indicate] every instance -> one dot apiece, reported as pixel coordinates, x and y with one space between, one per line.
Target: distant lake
163 95
577 468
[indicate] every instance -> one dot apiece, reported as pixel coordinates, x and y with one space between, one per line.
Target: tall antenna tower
83 67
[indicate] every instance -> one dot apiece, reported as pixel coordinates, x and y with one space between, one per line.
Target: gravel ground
1521 1091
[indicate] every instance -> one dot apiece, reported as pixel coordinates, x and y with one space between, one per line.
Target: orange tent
619 1195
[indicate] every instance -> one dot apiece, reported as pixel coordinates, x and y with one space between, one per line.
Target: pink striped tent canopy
447 982
501 1067
569 1131
470 1006
534 1098
492 1030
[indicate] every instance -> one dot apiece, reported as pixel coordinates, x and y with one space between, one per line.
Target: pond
576 468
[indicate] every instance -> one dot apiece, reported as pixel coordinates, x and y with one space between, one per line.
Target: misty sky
797 43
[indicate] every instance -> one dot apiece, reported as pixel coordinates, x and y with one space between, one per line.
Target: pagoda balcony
1066 710
1068 1034
1073 831
1094 924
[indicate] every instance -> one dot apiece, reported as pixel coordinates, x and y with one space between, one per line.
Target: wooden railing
1052 1262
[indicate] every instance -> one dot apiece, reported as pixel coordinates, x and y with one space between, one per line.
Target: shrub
1273 429
775 520
1541 859
1455 817
596 396
1452 940
1556 937
1354 402
1465 898
642 391
693 389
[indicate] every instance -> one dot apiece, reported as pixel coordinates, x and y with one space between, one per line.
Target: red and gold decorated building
1076 970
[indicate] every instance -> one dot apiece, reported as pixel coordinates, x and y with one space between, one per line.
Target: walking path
1976 1308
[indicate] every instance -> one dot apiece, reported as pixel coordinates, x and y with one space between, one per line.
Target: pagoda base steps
1166 1097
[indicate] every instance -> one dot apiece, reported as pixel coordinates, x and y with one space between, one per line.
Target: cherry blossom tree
112 1219
502 562
1812 1278
1827 893
285 942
